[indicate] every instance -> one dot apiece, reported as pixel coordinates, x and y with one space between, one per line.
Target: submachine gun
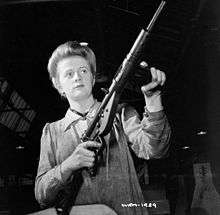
103 119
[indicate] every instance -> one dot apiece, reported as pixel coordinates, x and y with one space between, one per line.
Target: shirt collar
71 117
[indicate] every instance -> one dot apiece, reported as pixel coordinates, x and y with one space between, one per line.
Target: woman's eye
83 71
69 74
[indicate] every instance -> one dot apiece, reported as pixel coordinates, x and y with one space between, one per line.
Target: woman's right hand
81 157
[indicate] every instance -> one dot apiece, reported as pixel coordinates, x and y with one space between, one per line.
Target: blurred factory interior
185 43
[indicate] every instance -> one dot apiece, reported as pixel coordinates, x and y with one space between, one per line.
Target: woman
72 69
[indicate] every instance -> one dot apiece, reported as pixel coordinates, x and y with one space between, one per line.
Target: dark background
185 43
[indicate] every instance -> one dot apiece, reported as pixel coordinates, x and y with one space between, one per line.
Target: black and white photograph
109 107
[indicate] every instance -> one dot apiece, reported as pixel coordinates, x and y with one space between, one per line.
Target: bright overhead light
20 147
185 147
200 133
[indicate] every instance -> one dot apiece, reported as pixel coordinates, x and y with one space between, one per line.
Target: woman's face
75 78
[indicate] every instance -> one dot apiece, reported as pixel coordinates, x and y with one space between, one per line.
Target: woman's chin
79 96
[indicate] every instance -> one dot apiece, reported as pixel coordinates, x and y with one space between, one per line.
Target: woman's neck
82 106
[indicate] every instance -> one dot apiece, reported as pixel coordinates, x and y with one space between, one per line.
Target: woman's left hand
151 95
158 78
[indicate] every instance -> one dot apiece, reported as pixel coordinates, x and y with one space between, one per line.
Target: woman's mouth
78 86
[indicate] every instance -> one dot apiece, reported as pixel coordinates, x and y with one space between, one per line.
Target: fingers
88 144
163 80
87 152
153 74
85 148
83 155
89 164
158 76
88 161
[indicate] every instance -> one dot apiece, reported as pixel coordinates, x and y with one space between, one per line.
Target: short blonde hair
69 49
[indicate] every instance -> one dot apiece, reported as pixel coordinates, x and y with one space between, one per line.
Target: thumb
148 87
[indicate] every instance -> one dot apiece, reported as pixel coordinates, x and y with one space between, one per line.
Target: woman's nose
77 76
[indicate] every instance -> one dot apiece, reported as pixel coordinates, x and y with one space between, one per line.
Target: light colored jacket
116 183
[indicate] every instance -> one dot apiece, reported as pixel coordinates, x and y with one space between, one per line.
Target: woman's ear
93 81
57 85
